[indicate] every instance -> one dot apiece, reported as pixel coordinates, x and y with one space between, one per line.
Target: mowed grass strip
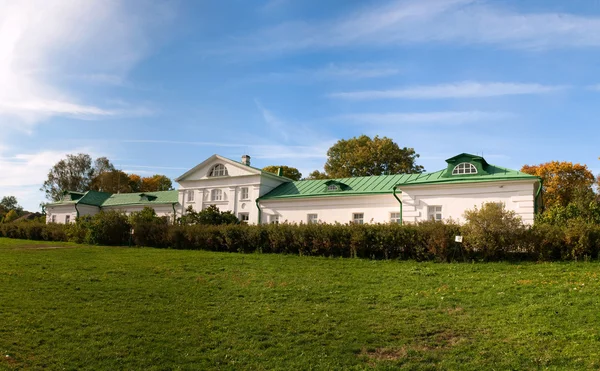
88 307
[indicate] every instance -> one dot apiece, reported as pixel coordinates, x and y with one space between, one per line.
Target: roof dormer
335 186
466 164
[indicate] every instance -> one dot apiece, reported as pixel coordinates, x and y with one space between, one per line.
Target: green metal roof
386 183
103 199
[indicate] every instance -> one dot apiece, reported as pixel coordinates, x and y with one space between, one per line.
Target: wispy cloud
466 89
328 73
440 21
40 40
444 117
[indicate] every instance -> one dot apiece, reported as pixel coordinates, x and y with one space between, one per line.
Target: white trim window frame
244 217
67 219
312 218
395 217
218 170
189 195
53 218
216 195
358 218
464 168
244 193
434 212
273 219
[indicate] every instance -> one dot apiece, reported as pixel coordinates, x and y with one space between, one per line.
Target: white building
256 196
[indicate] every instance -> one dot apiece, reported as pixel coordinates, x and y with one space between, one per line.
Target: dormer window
218 170
464 168
333 188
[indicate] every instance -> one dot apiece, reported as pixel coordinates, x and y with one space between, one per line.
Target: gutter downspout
76 209
537 195
174 213
399 201
259 211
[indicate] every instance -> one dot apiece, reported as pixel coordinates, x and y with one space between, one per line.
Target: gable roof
381 184
103 199
251 169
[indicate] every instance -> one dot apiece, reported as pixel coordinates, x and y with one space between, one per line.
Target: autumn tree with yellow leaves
563 182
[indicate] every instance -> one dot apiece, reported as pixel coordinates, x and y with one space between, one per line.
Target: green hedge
575 240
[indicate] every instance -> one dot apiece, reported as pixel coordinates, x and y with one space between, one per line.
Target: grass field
106 308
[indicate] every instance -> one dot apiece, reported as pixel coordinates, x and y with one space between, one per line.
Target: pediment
218 167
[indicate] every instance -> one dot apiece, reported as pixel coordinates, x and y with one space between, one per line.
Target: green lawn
109 308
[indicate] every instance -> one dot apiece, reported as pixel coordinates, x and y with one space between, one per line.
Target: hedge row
423 241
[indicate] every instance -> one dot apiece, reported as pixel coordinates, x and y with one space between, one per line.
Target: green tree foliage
288 171
492 231
8 204
316 175
10 216
365 156
75 173
209 216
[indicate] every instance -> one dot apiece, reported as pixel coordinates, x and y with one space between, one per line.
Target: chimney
246 160
279 171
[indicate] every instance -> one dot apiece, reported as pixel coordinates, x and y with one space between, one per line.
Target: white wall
61 211
376 209
455 199
231 188
161 210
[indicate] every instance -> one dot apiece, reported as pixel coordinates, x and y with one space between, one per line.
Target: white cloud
43 40
466 89
444 117
24 173
330 72
441 21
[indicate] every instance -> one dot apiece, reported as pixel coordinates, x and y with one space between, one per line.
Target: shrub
108 228
438 239
492 231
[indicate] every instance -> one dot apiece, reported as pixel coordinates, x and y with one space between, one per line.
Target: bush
492 232
108 228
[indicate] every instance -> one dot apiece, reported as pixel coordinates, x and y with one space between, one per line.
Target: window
358 218
218 170
244 194
332 187
244 217
394 217
216 195
274 219
67 219
434 213
190 196
312 218
464 168
53 219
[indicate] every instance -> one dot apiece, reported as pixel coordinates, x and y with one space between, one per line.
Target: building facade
256 196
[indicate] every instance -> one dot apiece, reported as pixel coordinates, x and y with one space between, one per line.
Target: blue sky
159 86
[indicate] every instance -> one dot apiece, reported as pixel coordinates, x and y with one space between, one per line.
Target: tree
113 181
563 182
135 182
156 183
317 175
208 216
363 156
71 174
10 216
102 165
287 171
10 203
